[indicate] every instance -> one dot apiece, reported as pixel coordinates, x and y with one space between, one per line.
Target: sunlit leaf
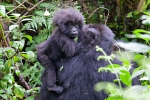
146 19
125 77
15 14
26 19
28 37
140 31
144 78
134 47
18 44
2 10
8 64
137 73
19 92
11 27
134 91
138 56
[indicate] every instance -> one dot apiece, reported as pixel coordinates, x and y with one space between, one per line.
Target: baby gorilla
59 45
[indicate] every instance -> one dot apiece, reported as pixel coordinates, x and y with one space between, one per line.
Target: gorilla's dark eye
69 24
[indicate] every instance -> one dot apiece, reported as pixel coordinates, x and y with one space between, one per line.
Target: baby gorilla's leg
51 81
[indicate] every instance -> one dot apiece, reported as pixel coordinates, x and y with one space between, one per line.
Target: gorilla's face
72 29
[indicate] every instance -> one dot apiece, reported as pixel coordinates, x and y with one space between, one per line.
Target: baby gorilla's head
69 22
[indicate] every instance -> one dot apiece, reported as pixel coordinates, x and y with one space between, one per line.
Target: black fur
60 44
80 73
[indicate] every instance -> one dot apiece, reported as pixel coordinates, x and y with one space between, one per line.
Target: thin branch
16 7
22 80
33 7
102 8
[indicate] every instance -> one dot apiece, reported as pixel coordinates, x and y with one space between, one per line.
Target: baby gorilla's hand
92 33
91 39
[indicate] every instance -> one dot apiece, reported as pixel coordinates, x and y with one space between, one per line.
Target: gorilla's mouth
73 36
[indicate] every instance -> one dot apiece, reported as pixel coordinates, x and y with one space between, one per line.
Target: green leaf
9 90
11 27
138 57
4 96
134 92
111 88
16 15
138 31
18 44
125 77
61 68
107 86
28 54
28 37
2 10
129 15
17 72
113 66
146 19
19 92
144 78
137 73
147 71
7 65
30 98
134 47
9 78
26 19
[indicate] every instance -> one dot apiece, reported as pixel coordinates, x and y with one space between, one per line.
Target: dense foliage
24 24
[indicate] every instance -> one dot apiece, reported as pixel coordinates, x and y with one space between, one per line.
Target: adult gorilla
79 74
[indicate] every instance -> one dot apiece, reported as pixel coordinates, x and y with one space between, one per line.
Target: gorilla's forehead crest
66 15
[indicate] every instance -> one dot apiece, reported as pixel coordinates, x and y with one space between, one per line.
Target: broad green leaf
111 88
9 90
134 92
137 31
8 64
146 19
14 98
9 78
144 78
28 54
30 98
138 56
104 86
4 96
28 37
17 72
134 47
24 55
113 66
137 74
18 44
125 77
11 27
8 49
19 92
2 10
130 15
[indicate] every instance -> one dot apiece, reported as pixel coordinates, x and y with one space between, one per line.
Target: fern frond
35 23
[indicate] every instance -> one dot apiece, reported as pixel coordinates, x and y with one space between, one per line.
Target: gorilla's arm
66 45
